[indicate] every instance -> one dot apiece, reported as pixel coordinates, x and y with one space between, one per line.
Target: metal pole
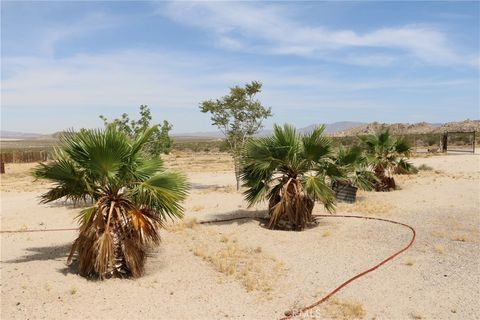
444 141
473 142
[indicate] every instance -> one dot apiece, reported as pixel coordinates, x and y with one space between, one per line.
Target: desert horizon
338 128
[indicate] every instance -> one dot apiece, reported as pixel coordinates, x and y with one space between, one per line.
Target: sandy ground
241 270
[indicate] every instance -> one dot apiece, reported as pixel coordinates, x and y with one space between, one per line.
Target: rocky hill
467 125
416 128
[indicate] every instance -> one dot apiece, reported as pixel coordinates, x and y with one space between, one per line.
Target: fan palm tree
291 171
356 173
386 153
132 195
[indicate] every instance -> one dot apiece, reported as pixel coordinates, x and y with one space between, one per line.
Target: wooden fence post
445 142
474 141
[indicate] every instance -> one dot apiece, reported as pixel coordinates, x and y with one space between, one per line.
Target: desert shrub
159 141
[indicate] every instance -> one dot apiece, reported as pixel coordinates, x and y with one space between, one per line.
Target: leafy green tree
239 116
386 153
132 195
160 141
291 171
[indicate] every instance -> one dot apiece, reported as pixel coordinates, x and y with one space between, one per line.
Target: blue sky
64 63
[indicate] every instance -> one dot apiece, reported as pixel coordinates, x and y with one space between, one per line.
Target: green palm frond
405 167
256 192
386 155
163 193
350 156
364 179
276 168
132 193
354 168
285 144
70 181
315 144
402 147
332 170
258 159
383 137
143 169
85 215
318 189
369 142
101 152
142 139
286 136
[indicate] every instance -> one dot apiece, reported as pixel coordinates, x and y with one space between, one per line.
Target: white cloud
172 79
43 39
72 92
117 79
270 29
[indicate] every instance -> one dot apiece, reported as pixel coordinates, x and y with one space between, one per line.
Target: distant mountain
198 135
340 129
466 125
330 128
18 135
333 128
28 136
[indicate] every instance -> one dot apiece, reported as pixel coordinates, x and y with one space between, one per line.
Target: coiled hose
323 299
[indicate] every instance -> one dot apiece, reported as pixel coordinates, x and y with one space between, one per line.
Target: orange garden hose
361 274
37 230
323 299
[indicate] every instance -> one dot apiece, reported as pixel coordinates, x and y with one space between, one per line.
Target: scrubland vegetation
130 182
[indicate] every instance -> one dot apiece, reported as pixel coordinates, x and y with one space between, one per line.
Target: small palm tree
385 153
131 193
356 174
356 171
292 171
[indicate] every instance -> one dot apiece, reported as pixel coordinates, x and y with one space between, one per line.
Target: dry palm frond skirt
291 208
115 240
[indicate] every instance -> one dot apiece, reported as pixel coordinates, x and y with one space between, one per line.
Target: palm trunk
110 246
384 183
291 209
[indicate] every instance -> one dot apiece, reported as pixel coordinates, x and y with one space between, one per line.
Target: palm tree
356 173
132 195
292 172
386 153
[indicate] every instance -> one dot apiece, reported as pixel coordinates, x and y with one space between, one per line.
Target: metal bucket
345 192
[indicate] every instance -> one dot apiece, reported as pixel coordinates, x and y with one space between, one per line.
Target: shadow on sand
43 254
70 205
238 217
201 186
55 253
